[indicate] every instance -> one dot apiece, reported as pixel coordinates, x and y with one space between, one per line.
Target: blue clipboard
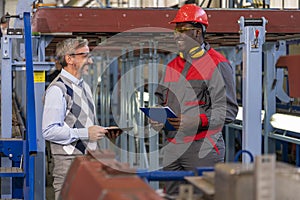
160 114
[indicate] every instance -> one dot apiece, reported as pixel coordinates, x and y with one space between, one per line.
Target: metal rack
23 160
102 25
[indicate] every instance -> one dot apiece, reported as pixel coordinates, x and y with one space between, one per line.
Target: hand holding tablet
115 131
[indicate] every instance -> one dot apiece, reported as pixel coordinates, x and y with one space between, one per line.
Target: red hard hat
191 13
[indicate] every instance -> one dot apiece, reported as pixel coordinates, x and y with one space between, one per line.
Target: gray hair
67 47
5 18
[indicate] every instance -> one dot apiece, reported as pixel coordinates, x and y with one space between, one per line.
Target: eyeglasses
84 54
184 29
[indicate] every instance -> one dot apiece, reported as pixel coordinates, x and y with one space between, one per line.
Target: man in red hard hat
199 86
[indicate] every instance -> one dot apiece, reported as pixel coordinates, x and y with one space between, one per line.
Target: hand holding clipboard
161 115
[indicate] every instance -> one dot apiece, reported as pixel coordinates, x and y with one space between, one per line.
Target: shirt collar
72 78
206 46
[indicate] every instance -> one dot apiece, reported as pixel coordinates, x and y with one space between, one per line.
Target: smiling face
187 36
79 61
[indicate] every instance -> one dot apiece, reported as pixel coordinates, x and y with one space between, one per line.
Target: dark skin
189 36
186 38
182 122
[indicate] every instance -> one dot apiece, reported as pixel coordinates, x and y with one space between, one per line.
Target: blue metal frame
12 149
12 174
31 144
284 138
200 170
272 88
171 175
164 175
19 160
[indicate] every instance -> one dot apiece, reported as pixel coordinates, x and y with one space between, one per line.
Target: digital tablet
115 128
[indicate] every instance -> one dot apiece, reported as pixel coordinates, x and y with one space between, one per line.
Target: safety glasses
83 54
184 29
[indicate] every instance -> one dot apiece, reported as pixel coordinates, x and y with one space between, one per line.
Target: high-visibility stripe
199 136
204 120
194 103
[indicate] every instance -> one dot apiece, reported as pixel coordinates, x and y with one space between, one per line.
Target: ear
69 59
198 33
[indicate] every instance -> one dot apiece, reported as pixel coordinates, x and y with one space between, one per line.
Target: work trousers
189 156
62 164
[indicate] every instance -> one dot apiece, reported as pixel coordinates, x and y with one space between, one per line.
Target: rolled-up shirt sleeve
54 129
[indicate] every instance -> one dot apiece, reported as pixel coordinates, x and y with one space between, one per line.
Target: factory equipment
100 25
261 180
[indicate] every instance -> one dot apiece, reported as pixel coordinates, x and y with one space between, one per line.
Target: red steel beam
109 20
291 62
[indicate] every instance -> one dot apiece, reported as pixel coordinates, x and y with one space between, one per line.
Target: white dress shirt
54 128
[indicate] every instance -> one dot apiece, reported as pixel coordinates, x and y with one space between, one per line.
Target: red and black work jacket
203 88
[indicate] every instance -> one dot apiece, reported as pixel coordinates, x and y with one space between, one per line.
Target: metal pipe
153 135
123 105
164 175
130 91
141 118
284 138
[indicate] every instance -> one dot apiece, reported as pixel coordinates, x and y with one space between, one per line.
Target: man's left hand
184 122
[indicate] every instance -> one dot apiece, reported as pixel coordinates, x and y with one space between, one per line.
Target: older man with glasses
69 119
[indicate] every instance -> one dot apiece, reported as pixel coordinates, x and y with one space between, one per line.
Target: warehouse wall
284 4
10 6
2 6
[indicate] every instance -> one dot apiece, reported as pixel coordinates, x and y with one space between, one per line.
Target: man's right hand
157 126
96 132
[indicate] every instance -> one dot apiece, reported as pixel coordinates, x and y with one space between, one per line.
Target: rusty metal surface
99 24
99 176
64 20
91 20
291 62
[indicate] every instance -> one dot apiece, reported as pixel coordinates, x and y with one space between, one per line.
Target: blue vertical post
252 37
31 144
